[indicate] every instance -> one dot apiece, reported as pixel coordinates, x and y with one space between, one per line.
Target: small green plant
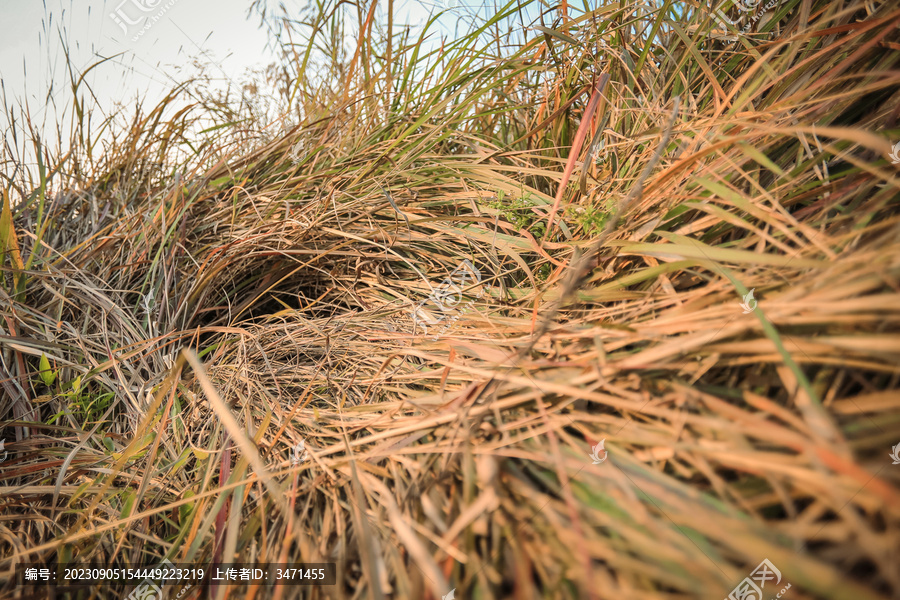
593 220
518 212
83 402
590 219
47 374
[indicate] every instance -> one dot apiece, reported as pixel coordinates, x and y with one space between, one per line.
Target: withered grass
204 301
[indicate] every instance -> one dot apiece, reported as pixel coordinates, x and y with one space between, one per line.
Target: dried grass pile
178 318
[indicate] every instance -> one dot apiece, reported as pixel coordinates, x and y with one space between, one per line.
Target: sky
144 47
36 36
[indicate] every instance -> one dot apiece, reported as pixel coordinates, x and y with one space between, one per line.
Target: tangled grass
183 309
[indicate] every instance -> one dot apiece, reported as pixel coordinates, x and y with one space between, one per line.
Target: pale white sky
35 34
34 41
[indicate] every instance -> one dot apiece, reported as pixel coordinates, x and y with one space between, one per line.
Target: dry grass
203 315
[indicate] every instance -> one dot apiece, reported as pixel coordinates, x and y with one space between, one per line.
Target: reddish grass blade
580 135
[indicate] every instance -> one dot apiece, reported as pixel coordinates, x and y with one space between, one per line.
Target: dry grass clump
173 328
